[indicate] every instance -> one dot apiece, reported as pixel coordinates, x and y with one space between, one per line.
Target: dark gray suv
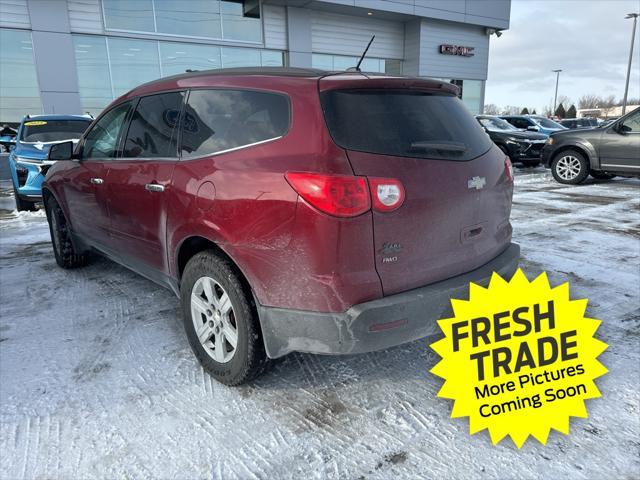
602 152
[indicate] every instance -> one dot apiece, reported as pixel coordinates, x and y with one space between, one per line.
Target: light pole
633 36
555 98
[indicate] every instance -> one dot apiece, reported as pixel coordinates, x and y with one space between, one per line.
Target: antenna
364 53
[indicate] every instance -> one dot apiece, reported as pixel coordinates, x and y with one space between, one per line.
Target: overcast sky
588 39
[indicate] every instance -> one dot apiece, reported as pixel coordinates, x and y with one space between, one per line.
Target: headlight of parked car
18 159
550 141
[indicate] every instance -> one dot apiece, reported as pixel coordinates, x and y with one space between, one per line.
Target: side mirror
533 128
61 151
622 129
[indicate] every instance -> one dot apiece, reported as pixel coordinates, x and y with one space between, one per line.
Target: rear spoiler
346 80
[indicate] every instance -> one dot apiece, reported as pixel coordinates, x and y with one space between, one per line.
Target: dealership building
74 56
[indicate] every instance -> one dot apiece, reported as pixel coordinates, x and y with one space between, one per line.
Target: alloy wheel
214 320
568 167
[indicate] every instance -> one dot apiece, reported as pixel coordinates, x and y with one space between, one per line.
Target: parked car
608 121
533 123
602 152
519 146
290 209
28 158
7 138
573 123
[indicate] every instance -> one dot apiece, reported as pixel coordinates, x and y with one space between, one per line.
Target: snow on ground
97 379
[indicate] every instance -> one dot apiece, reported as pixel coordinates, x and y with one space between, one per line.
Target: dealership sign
459 50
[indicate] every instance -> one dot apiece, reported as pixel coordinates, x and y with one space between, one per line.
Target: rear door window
220 120
403 123
153 130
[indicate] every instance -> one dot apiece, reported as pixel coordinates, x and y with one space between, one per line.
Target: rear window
403 123
52 130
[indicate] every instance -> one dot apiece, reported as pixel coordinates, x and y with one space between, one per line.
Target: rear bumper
377 324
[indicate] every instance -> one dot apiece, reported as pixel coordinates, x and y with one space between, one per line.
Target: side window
102 139
633 122
153 130
519 122
220 120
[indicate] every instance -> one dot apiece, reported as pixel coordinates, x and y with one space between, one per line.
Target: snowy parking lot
97 379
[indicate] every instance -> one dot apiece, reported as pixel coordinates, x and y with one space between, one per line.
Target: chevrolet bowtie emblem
476 182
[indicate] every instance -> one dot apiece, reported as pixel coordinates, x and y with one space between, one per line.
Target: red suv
290 209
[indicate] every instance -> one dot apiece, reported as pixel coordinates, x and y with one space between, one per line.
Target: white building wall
85 16
275 26
348 35
14 14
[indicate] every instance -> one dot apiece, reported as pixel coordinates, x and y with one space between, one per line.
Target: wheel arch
585 150
48 195
195 244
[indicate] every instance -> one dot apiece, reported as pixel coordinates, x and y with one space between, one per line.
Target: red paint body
292 255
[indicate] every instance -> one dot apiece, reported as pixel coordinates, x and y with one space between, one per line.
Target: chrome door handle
154 187
97 181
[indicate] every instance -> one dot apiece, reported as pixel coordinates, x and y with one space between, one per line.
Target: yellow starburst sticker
519 358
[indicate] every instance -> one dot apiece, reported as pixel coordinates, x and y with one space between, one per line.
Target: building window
132 62
136 15
217 19
470 93
108 66
19 92
197 18
343 62
179 57
94 75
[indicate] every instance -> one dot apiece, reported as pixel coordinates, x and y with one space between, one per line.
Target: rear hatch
455 215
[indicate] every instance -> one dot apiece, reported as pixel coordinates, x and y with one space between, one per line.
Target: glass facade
471 93
19 92
109 66
342 62
215 19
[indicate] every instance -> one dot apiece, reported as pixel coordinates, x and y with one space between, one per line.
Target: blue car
534 123
28 158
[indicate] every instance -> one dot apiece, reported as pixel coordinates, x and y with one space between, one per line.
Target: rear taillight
387 194
508 169
338 195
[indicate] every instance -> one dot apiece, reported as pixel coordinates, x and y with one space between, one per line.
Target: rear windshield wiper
442 145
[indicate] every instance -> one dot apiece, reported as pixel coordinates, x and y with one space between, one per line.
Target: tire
570 167
601 175
215 305
63 249
23 205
